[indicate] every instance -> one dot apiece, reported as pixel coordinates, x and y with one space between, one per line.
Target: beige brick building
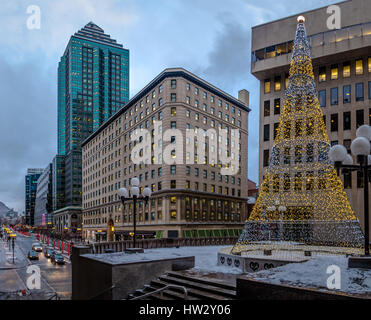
342 68
187 199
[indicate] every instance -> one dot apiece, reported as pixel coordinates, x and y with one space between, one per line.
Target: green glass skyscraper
93 83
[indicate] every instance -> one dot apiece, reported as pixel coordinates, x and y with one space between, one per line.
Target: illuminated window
173 200
359 67
286 81
277 106
346 70
173 214
322 74
267 108
267 86
369 64
310 180
277 83
334 72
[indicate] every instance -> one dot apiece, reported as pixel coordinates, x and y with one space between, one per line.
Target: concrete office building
44 198
188 199
342 69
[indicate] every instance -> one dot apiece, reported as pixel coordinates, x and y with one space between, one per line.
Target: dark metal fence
119 246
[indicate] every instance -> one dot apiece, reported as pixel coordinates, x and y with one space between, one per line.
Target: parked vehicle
33 255
57 258
36 246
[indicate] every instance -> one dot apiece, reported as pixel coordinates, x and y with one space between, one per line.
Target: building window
369 90
286 81
265 158
196 172
188 86
360 181
347 120
173 184
334 96
173 125
173 214
347 143
267 86
277 84
266 132
359 67
334 72
173 169
359 92
173 111
322 74
359 118
267 108
369 64
346 70
322 98
348 180
347 94
275 130
277 106
173 97
173 84
334 122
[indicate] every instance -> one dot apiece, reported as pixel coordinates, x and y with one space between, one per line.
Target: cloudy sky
210 38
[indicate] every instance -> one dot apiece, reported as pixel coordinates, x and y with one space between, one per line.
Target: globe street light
135 194
281 209
360 147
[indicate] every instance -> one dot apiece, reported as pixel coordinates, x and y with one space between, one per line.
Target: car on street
36 246
57 258
48 252
33 255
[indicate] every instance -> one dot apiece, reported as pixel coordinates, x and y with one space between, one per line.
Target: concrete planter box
95 278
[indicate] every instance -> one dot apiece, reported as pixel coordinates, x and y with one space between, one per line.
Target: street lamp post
281 210
135 194
360 147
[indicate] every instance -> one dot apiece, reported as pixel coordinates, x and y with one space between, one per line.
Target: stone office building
188 200
342 69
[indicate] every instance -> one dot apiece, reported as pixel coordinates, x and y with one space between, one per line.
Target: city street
55 279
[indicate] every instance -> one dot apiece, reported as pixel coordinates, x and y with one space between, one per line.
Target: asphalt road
55 279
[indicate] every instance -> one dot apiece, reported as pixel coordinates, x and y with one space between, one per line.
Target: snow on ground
205 257
313 274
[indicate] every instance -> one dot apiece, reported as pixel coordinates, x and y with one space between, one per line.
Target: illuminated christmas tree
301 199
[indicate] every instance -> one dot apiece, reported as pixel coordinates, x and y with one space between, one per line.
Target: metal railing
161 291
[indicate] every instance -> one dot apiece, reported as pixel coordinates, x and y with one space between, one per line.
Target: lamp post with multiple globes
360 148
135 194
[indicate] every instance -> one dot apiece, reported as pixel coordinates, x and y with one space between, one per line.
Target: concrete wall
248 289
92 279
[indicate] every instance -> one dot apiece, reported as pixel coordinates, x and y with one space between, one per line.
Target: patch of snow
205 257
313 274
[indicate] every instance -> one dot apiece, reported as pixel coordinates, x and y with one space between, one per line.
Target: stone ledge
362 262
